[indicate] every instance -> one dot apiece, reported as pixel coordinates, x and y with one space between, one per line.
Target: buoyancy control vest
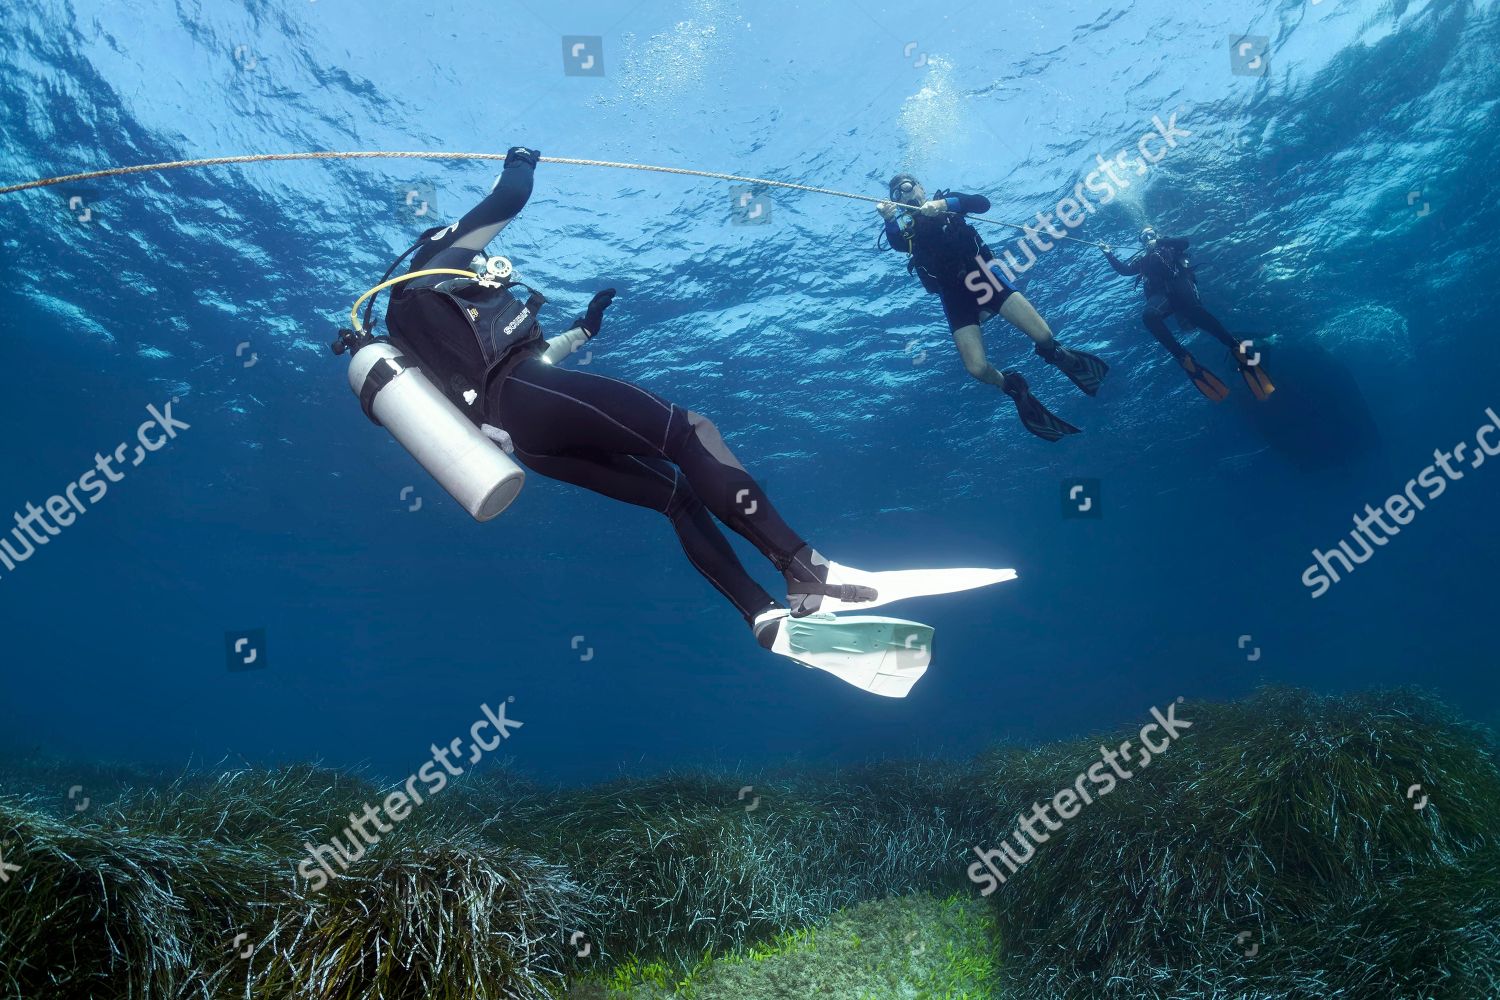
1168 269
464 331
943 251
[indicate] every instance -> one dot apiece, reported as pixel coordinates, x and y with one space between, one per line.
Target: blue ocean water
1339 193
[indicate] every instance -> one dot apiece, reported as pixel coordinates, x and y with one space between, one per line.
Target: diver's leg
1246 357
964 315
655 484
970 342
1083 369
1034 416
695 445
1000 298
1200 317
1023 315
559 411
1158 308
1155 317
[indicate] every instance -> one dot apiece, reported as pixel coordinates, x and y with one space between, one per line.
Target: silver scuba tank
395 394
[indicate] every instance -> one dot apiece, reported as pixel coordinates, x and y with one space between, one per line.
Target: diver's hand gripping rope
217 161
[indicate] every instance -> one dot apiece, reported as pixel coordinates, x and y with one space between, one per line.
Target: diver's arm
968 204
484 221
1176 243
584 329
563 344
896 236
1124 267
956 204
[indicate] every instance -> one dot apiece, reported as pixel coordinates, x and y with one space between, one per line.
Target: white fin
883 656
901 584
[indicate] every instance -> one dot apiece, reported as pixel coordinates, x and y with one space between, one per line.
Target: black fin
1034 416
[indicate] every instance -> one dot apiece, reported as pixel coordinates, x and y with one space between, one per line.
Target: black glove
520 154
594 315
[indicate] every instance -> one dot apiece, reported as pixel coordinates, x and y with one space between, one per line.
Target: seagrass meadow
1272 852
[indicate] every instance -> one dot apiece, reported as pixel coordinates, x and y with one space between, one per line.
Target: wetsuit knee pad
705 433
695 445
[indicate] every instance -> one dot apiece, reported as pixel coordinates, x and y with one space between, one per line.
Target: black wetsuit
1171 289
597 432
943 249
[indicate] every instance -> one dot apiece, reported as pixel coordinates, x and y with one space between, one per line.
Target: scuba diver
483 352
1172 290
950 259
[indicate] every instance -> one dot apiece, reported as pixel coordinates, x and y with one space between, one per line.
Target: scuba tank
396 395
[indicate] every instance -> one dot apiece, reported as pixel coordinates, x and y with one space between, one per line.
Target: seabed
1286 846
